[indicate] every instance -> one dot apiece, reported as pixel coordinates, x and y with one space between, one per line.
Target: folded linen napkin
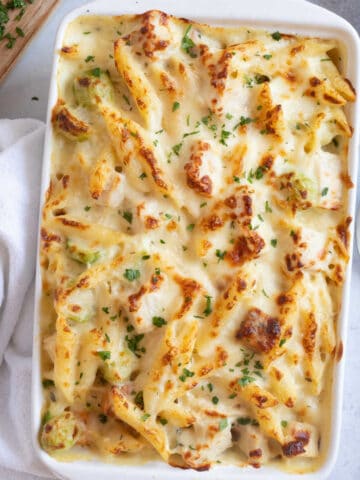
21 143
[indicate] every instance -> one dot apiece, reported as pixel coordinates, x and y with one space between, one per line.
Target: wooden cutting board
34 16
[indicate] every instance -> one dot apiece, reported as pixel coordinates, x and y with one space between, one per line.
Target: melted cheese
194 243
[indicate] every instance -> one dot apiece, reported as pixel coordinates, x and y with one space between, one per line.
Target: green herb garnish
276 36
208 309
47 383
131 274
245 380
158 321
187 44
128 216
104 355
223 424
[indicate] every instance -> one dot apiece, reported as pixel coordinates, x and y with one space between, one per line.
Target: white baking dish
292 16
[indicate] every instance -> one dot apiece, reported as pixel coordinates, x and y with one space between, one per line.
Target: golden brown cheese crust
194 243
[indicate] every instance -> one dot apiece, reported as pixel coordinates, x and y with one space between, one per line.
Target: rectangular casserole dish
310 20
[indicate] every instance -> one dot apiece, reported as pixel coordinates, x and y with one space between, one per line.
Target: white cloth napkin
21 144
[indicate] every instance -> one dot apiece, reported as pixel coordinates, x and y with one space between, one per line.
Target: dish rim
310 19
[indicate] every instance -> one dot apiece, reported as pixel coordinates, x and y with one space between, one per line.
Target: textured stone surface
349 9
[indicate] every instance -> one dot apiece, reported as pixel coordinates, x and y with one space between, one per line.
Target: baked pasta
194 243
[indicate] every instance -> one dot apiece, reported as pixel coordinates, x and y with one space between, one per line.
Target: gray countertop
349 9
31 77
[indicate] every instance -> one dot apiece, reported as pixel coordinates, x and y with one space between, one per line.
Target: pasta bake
194 243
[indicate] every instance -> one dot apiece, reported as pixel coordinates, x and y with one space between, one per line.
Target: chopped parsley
276 36
223 424
47 383
247 421
224 136
4 16
128 216
258 365
236 179
282 341
87 208
162 241
250 176
210 387
176 106
126 99
208 309
273 242
220 254
267 56
131 274
232 395
163 421
10 40
176 148
158 321
229 116
215 400
206 120
107 337
268 209
284 423
190 227
195 132
46 417
259 79
243 121
102 418
324 191
145 417
20 14
105 310
139 399
12 4
187 44
96 72
243 420
35 98
264 293
104 355
89 58
142 176
245 380
248 81
186 374
259 173
20 32
203 204
133 344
